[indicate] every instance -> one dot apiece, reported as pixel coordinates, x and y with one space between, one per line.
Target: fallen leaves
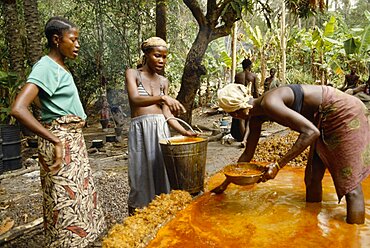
6 225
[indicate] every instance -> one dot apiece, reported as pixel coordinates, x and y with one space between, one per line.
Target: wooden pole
283 44
21 230
233 52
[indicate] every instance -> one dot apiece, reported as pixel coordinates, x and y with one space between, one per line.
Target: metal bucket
185 161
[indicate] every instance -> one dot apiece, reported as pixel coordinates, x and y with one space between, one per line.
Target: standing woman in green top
72 215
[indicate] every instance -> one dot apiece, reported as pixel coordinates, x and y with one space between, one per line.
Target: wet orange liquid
184 140
271 214
241 170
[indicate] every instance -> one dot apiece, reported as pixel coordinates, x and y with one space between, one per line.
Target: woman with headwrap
150 107
333 123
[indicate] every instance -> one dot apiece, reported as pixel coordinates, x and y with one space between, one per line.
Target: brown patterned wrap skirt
72 215
344 144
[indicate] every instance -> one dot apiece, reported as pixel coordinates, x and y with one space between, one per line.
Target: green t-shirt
59 95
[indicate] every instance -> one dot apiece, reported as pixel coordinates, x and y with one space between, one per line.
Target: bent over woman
335 124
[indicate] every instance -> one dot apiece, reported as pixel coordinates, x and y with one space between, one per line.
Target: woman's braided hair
56 25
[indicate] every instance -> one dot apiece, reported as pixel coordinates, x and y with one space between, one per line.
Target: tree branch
211 6
195 9
221 31
214 11
222 6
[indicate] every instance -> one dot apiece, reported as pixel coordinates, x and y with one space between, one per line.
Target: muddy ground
21 199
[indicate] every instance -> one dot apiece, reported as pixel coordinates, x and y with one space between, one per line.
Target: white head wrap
234 97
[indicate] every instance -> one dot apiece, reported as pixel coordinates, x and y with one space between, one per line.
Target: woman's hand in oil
270 172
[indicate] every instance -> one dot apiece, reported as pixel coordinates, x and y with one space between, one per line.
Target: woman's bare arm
143 101
255 125
172 122
20 111
276 109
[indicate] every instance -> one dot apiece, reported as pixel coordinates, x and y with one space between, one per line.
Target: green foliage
216 59
330 27
10 84
174 67
255 35
350 46
111 32
304 8
180 38
234 10
226 59
355 16
320 48
320 39
357 45
218 64
294 76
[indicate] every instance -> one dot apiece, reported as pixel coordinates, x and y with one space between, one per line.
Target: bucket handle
178 119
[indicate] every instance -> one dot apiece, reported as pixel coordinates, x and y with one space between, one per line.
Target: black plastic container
110 138
11 147
97 144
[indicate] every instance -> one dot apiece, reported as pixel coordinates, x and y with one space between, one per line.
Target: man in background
351 81
246 77
239 128
271 82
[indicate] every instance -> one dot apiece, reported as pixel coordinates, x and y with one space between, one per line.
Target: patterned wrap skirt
72 215
344 144
146 169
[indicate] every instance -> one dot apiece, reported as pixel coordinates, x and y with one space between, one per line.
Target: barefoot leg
245 132
314 174
355 206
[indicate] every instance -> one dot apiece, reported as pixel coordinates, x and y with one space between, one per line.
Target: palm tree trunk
31 16
14 37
